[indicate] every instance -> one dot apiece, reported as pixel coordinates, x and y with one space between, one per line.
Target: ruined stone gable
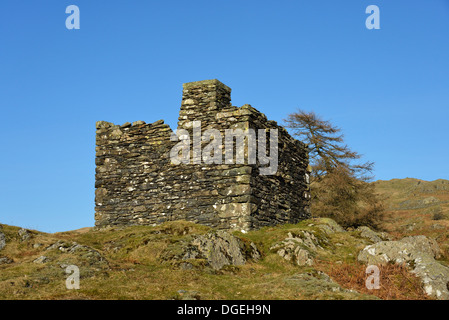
138 183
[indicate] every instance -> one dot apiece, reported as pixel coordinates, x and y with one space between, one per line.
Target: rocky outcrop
78 254
216 249
5 260
329 226
24 235
419 253
41 260
299 248
418 204
367 233
2 238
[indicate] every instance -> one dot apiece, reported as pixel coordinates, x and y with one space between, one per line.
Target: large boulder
418 253
329 226
299 248
217 249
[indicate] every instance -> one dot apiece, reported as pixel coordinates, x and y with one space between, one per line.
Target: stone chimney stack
201 101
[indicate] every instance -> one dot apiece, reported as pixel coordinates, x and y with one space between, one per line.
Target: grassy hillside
417 207
134 263
143 262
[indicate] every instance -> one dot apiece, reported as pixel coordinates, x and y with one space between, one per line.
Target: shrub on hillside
349 201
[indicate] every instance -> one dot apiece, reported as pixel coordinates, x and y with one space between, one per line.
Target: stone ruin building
137 183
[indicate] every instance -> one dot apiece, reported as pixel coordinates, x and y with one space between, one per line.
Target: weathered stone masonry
136 183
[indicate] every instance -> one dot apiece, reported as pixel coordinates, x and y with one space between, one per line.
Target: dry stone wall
137 183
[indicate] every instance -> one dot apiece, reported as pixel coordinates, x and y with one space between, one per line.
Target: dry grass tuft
396 281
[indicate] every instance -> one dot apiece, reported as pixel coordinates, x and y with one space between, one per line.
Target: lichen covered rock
299 248
329 226
419 253
216 249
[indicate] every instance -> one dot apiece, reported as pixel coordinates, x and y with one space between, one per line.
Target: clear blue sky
387 89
